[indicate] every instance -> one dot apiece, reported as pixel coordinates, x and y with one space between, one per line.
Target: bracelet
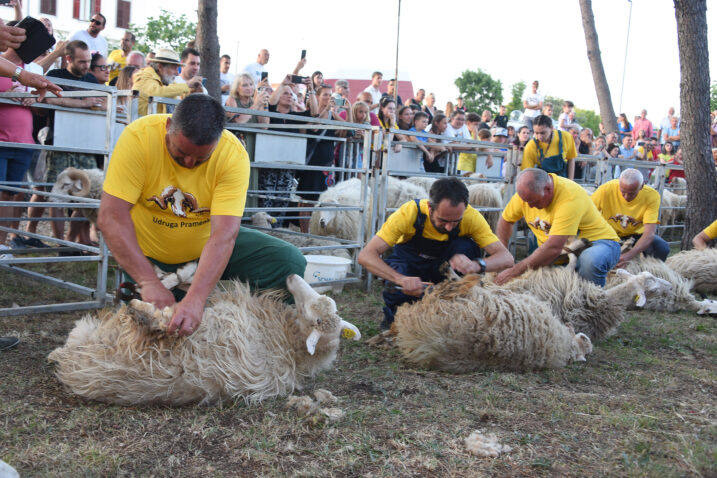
16 75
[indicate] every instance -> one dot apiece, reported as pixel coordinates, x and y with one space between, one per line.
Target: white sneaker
5 256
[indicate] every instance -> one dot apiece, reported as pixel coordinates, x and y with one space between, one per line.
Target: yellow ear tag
348 333
636 299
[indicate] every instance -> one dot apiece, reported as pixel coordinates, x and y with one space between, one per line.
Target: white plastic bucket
324 269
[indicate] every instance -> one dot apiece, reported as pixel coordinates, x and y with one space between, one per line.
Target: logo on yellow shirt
624 220
178 201
540 224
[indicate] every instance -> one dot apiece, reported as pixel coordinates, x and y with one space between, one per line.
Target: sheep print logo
540 224
178 201
625 220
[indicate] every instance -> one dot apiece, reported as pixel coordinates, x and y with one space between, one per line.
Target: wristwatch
481 263
16 75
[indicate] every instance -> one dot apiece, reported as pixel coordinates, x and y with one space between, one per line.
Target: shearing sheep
262 219
247 346
487 195
81 183
460 326
589 308
700 266
677 299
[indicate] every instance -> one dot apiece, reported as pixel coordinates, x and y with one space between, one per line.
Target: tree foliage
557 105
480 91
713 97
588 119
166 31
516 93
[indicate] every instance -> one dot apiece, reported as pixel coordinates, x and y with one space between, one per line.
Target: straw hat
165 55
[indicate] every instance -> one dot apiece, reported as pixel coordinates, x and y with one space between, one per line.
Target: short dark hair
415 107
473 117
419 115
543 120
104 20
189 51
456 113
131 35
200 118
452 189
95 59
225 56
73 46
376 73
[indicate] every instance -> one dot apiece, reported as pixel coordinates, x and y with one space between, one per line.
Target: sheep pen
247 346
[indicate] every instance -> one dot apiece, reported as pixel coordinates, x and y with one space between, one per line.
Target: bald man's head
535 187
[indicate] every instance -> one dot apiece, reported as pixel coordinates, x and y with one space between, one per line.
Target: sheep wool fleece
173 204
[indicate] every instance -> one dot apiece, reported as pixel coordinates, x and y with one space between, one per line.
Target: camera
264 75
340 101
298 79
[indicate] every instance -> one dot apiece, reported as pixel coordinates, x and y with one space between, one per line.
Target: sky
512 40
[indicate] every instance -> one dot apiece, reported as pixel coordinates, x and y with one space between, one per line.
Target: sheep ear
312 340
272 220
580 358
639 298
350 331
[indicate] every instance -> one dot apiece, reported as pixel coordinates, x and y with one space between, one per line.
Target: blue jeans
658 248
595 261
14 163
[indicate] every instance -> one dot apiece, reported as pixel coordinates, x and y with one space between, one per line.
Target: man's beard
167 79
441 230
75 71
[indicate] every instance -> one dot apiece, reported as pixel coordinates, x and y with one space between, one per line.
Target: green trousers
261 260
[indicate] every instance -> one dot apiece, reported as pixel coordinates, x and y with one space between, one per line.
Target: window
48 7
84 9
123 10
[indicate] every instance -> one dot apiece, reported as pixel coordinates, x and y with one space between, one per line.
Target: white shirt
95 44
462 132
225 79
255 70
533 99
179 79
375 97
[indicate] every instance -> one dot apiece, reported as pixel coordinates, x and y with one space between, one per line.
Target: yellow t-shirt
531 155
467 161
173 204
399 229
570 213
627 218
711 230
148 83
116 56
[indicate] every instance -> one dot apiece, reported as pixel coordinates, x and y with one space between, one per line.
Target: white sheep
486 195
247 346
424 182
81 183
670 200
262 219
400 192
700 266
460 326
341 224
589 308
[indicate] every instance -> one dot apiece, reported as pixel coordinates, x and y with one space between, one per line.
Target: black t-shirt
66 75
398 99
501 121
272 109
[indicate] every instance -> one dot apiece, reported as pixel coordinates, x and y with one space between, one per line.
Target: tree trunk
695 117
208 43
607 113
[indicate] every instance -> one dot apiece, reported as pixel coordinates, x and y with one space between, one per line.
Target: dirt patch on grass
642 405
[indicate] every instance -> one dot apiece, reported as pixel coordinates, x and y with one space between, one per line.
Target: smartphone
340 101
264 75
303 52
37 39
298 79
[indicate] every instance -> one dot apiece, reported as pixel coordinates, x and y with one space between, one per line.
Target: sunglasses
102 67
96 22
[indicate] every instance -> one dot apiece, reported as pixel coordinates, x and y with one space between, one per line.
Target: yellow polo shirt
627 218
173 204
570 213
711 230
116 56
399 229
531 155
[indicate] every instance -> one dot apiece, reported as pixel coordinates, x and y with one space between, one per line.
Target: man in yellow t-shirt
158 80
175 192
555 209
550 150
700 240
632 209
117 59
426 233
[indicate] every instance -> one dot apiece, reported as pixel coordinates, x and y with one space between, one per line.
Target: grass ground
642 405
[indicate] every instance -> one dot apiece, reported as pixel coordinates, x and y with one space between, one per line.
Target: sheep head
73 182
262 219
582 345
318 313
326 217
642 283
708 307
